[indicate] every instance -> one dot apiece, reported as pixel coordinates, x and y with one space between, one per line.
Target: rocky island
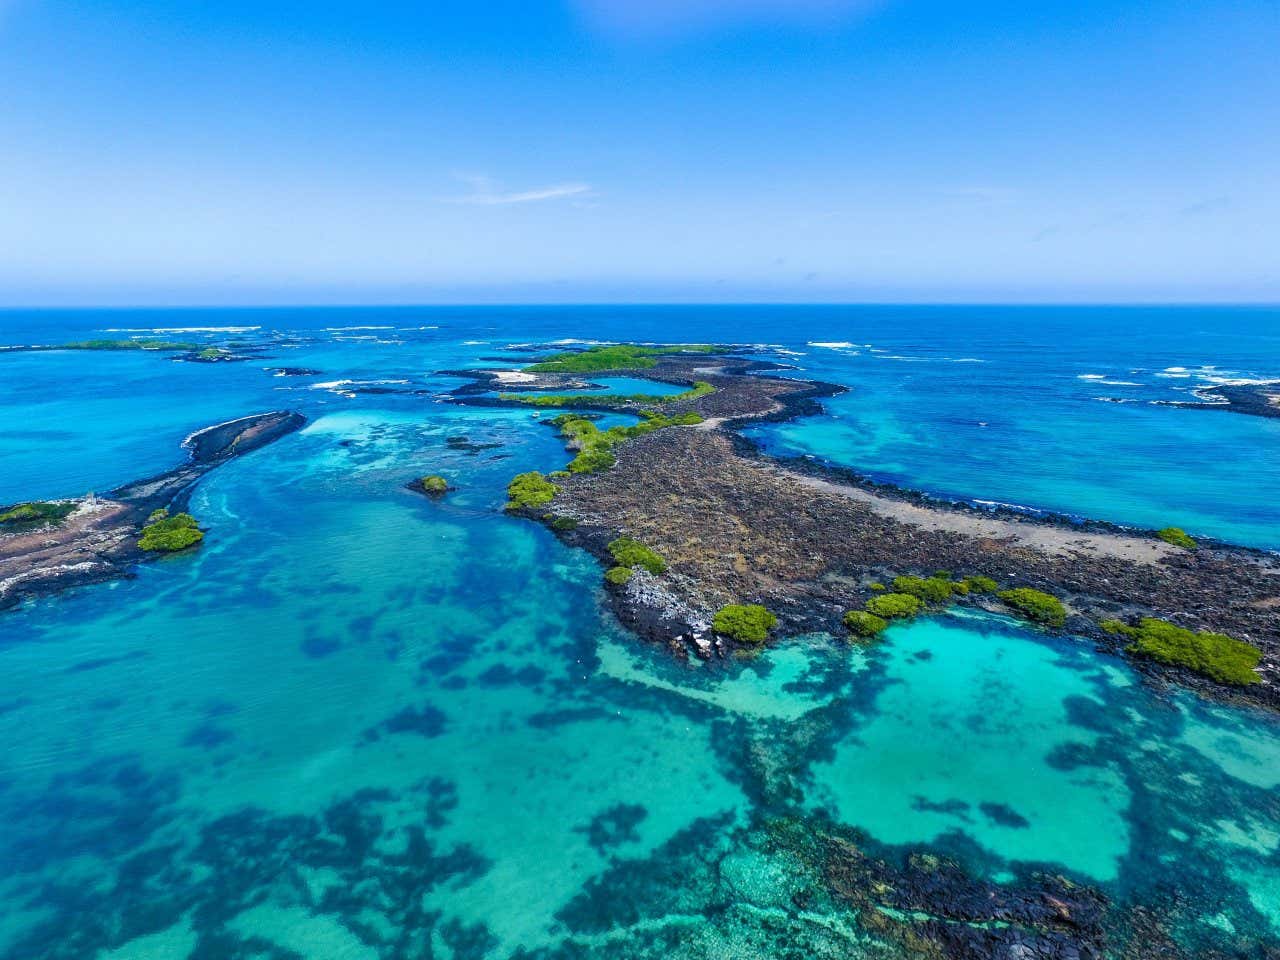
46 547
821 548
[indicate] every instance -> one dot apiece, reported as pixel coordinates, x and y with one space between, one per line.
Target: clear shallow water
359 723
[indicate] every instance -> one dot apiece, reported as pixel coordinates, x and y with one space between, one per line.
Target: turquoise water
363 724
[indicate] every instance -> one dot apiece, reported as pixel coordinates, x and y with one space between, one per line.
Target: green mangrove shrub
864 625
530 489
1214 655
128 345
169 534
935 589
749 623
434 483
980 584
1179 538
628 552
894 606
1035 605
37 511
617 575
612 356
595 446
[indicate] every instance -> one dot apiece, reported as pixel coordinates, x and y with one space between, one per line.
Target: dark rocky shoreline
98 541
1254 399
807 539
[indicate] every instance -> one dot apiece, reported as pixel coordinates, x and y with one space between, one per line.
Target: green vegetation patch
128 345
1214 655
595 446
1035 605
169 534
892 606
933 589
749 623
1179 538
980 584
863 624
37 511
628 552
564 523
530 489
434 483
616 356
618 575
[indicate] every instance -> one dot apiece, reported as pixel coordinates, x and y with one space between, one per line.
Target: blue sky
616 150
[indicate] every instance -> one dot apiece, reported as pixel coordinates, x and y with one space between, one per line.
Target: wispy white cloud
486 193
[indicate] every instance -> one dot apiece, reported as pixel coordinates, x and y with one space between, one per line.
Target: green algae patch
613 356
628 552
1035 605
1177 537
1214 655
864 625
530 489
893 606
749 623
169 534
617 575
37 511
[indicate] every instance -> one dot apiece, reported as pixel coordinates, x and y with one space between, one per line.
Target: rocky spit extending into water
98 540
809 541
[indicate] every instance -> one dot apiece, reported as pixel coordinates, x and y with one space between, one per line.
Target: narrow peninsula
50 546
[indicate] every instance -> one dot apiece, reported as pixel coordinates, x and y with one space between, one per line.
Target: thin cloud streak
485 193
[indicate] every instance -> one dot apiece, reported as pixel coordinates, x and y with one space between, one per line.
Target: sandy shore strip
1059 541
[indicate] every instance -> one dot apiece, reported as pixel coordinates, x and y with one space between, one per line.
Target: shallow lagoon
361 723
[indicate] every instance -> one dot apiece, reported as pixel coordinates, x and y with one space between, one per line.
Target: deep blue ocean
361 724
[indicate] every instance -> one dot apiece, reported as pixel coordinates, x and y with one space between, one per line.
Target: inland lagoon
355 722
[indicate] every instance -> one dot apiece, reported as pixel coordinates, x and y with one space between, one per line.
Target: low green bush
128 345
530 489
863 624
435 484
169 534
1215 655
595 446
1118 628
564 523
933 589
980 584
891 606
618 575
749 623
1035 605
1179 538
613 356
877 586
628 552
37 511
